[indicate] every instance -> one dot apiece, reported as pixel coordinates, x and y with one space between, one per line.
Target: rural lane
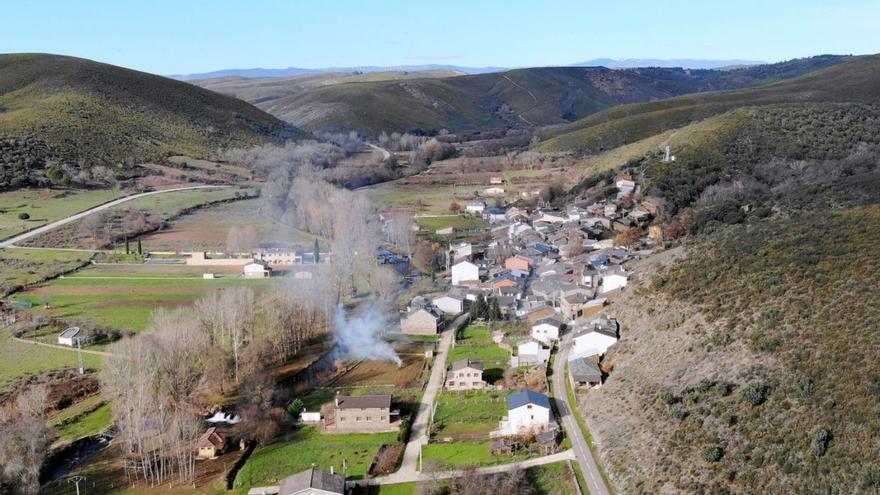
62 347
10 243
385 153
418 435
595 483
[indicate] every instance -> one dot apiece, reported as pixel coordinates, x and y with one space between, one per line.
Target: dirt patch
367 373
386 459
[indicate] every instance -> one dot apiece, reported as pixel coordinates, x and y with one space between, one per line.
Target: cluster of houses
260 262
550 269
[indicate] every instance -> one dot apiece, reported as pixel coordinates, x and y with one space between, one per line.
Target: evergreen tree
478 307
495 310
317 251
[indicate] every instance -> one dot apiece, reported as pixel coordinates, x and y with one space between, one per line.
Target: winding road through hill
10 243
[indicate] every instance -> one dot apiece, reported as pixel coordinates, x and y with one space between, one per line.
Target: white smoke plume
361 336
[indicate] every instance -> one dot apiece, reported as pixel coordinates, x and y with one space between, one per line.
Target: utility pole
81 366
76 480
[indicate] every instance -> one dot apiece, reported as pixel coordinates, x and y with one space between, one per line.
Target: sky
181 36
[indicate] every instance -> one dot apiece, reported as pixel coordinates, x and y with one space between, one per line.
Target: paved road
385 153
419 431
595 483
9 243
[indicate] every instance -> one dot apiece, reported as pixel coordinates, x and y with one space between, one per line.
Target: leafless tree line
155 380
25 436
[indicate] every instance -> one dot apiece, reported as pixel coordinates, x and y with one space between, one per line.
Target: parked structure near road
594 337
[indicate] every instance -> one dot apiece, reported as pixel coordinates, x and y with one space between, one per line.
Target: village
528 305
493 348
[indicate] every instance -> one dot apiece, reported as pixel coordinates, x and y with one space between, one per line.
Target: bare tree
26 436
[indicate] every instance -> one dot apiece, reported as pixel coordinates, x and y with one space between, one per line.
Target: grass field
475 342
158 207
45 205
18 359
456 221
19 267
305 447
123 297
550 479
469 415
89 424
456 455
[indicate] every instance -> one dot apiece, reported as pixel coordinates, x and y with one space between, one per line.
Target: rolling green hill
517 98
90 113
856 80
262 90
764 317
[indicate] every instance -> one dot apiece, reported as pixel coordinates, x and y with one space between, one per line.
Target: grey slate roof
312 478
467 363
524 397
364 402
583 370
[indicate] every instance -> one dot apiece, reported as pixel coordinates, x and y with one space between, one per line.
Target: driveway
419 430
595 483
9 243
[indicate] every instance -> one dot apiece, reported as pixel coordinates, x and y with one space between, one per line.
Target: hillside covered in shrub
84 114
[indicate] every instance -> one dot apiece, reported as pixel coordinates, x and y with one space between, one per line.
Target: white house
493 191
529 353
257 270
546 330
68 337
610 209
450 304
593 338
625 186
527 411
462 251
612 279
475 207
465 271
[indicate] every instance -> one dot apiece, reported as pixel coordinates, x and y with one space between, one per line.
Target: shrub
755 393
23 216
819 439
760 341
712 453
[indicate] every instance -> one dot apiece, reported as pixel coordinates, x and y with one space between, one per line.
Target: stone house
465 375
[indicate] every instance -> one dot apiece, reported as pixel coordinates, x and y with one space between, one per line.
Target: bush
755 393
712 453
23 216
819 439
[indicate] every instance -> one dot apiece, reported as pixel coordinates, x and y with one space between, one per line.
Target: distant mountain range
298 71
685 63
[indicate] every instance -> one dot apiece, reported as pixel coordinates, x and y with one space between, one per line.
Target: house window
382 418
533 417
529 406
368 418
358 418
341 418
